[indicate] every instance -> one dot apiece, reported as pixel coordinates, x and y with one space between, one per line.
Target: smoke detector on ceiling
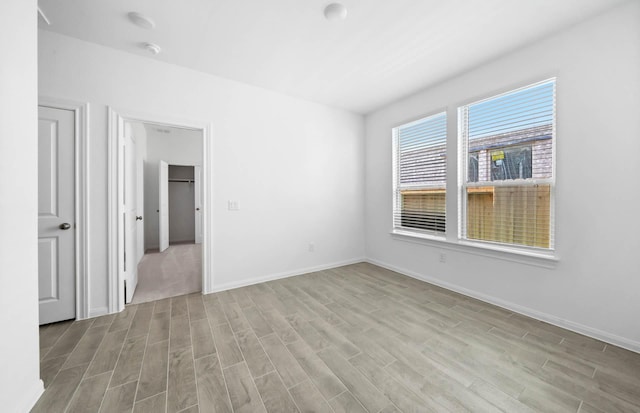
151 48
335 12
141 20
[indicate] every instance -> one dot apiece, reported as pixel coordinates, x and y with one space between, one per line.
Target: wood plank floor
354 339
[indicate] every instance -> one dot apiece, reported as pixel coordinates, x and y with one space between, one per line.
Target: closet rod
182 180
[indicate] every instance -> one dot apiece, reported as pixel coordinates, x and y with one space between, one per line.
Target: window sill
522 256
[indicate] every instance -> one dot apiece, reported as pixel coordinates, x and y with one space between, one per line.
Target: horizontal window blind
420 175
507 144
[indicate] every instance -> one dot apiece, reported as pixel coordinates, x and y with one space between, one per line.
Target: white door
163 190
197 182
131 217
140 202
56 212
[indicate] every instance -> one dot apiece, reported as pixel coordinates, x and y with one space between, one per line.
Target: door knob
197 209
65 226
139 218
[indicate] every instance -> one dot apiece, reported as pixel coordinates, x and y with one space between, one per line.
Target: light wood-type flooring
354 339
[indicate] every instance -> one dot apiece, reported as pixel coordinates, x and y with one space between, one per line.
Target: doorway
184 204
172 261
171 193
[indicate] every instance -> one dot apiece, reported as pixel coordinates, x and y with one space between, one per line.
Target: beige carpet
175 271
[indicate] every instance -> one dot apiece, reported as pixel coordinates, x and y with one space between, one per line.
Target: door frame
163 210
116 119
197 190
81 195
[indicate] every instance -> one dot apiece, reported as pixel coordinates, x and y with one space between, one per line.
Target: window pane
509 214
421 175
520 110
422 150
473 170
511 135
424 209
508 144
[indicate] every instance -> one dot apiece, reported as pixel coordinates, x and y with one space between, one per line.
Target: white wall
594 286
296 168
178 147
20 385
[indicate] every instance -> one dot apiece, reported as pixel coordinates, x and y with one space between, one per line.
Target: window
506 146
420 165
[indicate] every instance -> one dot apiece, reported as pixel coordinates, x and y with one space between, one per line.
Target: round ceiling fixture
151 48
141 20
335 12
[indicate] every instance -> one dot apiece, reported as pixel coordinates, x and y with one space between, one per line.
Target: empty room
319 206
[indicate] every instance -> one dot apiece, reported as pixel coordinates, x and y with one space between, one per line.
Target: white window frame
463 184
452 239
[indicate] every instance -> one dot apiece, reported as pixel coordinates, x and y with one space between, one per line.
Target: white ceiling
383 51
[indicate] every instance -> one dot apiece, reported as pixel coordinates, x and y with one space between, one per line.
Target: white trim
97 312
461 157
44 16
30 399
517 308
197 199
116 117
207 209
286 274
539 258
81 194
112 212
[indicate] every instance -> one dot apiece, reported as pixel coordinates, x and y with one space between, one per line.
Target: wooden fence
513 215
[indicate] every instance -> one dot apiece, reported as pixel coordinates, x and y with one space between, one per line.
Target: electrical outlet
443 257
312 247
233 206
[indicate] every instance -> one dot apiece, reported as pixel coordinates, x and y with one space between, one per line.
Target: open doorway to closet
183 195
172 221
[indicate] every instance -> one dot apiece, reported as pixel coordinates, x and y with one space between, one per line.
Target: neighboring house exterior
520 154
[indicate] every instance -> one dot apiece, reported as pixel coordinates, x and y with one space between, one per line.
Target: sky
520 109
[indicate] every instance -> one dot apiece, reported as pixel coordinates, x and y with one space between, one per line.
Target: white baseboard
181 241
286 274
529 312
97 312
31 397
